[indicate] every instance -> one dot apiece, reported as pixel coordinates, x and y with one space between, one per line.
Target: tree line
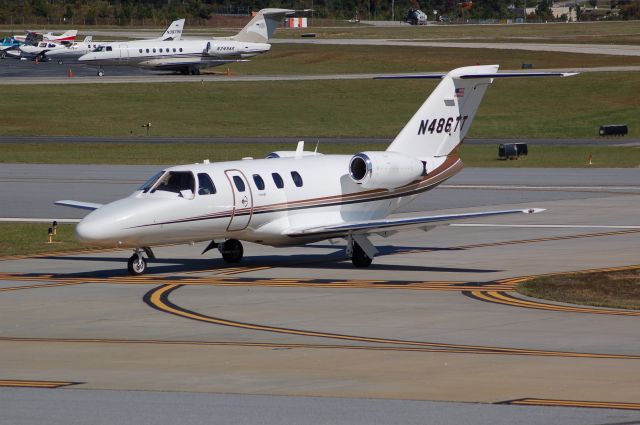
202 12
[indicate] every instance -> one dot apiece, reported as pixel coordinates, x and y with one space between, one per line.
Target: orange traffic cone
590 161
228 71
70 73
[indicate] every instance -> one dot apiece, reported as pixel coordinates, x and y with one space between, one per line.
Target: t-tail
443 121
262 26
173 31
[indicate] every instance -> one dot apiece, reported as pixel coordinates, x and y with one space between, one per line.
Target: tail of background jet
173 31
262 26
443 121
88 39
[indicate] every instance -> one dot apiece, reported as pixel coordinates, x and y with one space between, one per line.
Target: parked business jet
190 56
298 197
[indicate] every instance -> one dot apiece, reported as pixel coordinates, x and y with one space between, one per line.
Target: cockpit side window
205 185
109 49
149 183
176 181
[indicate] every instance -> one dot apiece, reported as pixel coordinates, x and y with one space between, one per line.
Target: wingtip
534 210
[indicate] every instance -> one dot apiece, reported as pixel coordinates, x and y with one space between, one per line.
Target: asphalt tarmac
297 335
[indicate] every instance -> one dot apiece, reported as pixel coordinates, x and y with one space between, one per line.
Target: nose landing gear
137 264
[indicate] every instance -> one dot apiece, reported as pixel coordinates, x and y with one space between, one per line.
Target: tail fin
262 26
88 39
444 119
67 36
173 31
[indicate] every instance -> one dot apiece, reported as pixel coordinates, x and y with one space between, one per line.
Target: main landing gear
361 250
101 72
231 250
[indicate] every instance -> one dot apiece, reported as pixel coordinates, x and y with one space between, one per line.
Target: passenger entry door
124 52
242 200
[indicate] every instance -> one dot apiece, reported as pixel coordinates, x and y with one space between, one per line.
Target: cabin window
181 49
160 50
149 183
174 50
140 50
239 183
297 179
109 49
147 50
154 50
277 180
258 181
205 185
175 181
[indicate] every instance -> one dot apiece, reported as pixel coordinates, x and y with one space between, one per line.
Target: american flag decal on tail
460 92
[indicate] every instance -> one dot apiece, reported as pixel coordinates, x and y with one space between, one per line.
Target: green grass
328 59
619 289
31 238
566 108
183 153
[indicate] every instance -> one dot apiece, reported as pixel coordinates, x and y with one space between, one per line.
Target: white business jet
298 197
190 56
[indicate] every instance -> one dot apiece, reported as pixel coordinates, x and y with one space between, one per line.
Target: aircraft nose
92 231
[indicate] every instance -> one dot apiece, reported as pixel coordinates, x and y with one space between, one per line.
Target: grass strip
618 289
540 156
572 107
31 238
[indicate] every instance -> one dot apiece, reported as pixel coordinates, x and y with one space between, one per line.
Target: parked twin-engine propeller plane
298 197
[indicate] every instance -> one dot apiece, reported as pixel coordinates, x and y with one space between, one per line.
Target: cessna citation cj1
189 56
298 197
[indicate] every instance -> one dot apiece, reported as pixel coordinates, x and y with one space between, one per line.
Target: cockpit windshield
175 181
149 183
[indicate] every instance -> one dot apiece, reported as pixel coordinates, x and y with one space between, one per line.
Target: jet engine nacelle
385 170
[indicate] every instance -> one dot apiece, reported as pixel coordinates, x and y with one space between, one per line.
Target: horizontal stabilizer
474 76
394 225
78 204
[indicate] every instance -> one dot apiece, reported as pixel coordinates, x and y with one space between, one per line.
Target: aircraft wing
78 204
390 226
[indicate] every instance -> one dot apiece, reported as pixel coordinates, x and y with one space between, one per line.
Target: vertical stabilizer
262 26
443 121
173 31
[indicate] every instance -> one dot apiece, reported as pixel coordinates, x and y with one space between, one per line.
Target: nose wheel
136 265
100 73
231 250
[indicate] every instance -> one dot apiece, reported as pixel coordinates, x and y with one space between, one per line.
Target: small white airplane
299 197
190 56
65 52
32 37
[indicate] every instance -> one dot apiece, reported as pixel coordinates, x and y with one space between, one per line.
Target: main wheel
60 62
232 251
136 265
100 73
359 258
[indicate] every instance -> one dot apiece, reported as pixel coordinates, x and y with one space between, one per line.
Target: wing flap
77 204
394 225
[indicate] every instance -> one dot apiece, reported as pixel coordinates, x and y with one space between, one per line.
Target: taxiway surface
434 318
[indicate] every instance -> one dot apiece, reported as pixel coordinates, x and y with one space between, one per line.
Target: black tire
136 265
359 258
100 73
60 62
232 251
